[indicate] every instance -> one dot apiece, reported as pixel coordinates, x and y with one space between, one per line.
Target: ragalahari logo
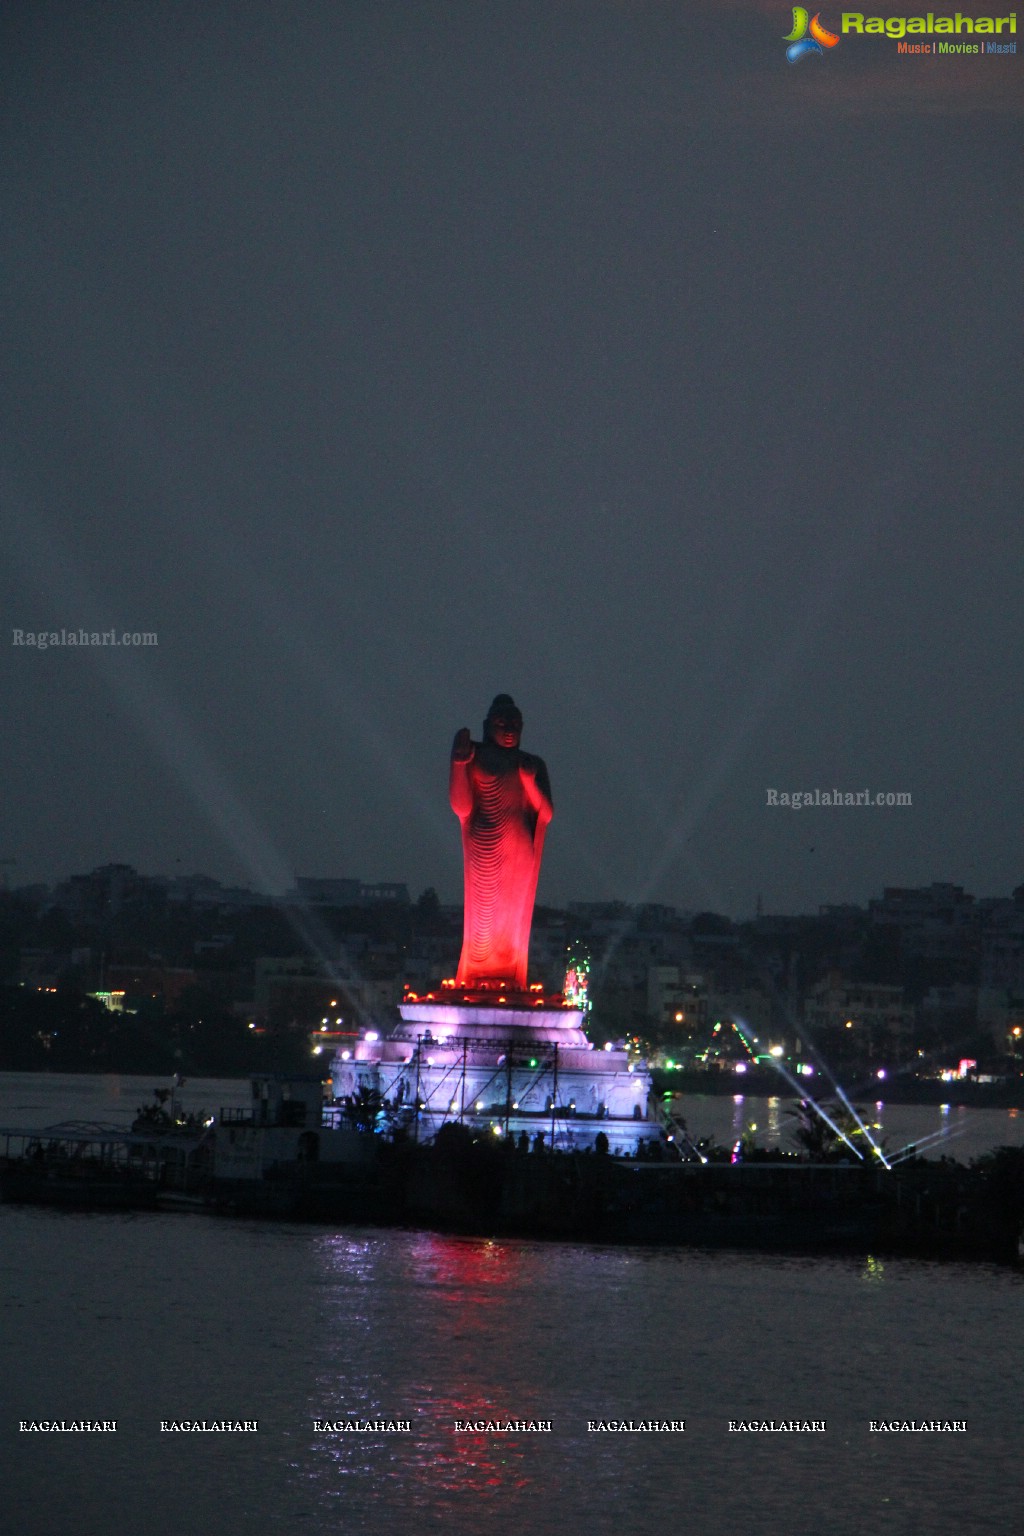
799 43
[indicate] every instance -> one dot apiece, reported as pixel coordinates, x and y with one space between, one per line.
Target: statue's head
504 723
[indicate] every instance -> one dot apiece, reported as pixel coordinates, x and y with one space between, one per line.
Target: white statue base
503 1069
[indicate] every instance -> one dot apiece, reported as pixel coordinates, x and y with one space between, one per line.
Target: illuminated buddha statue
502 798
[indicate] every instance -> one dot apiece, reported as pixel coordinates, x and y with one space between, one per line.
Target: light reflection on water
442 1328
950 1130
135 1317
458 1316
32 1099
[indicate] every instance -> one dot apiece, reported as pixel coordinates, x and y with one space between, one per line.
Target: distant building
104 892
1002 951
934 922
1001 1011
860 1018
39 968
384 891
940 1004
204 892
750 1008
315 892
300 991
677 1000
152 982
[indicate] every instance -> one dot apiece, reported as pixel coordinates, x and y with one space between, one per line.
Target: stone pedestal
522 1066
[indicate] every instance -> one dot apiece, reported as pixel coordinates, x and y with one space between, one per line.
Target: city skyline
365 893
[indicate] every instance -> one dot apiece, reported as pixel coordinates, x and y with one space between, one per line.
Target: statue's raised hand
462 746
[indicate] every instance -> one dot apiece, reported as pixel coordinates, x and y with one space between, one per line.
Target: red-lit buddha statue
502 798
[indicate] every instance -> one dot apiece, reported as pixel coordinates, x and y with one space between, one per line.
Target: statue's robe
504 816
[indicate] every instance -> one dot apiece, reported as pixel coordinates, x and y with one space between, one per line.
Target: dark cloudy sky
381 356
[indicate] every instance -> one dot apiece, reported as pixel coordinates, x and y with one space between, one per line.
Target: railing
237 1117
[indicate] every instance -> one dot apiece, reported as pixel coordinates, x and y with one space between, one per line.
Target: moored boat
88 1165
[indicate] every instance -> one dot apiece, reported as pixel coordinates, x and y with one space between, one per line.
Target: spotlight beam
804 1095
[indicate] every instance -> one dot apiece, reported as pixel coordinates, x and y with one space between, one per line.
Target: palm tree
362 1108
820 1139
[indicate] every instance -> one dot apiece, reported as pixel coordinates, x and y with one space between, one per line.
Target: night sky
383 356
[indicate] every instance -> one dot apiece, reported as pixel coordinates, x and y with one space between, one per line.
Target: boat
89 1165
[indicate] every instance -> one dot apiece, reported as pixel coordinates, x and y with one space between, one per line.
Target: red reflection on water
462 1459
464 1299
478 1282
481 1287
468 1261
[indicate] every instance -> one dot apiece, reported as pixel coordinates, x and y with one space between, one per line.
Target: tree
829 1131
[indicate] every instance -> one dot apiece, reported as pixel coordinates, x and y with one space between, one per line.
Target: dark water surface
146 1317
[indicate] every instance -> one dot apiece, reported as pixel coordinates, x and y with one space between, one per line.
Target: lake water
34 1099
142 1318
946 1130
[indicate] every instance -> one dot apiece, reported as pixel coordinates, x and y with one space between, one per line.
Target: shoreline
755 1084
766 1085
